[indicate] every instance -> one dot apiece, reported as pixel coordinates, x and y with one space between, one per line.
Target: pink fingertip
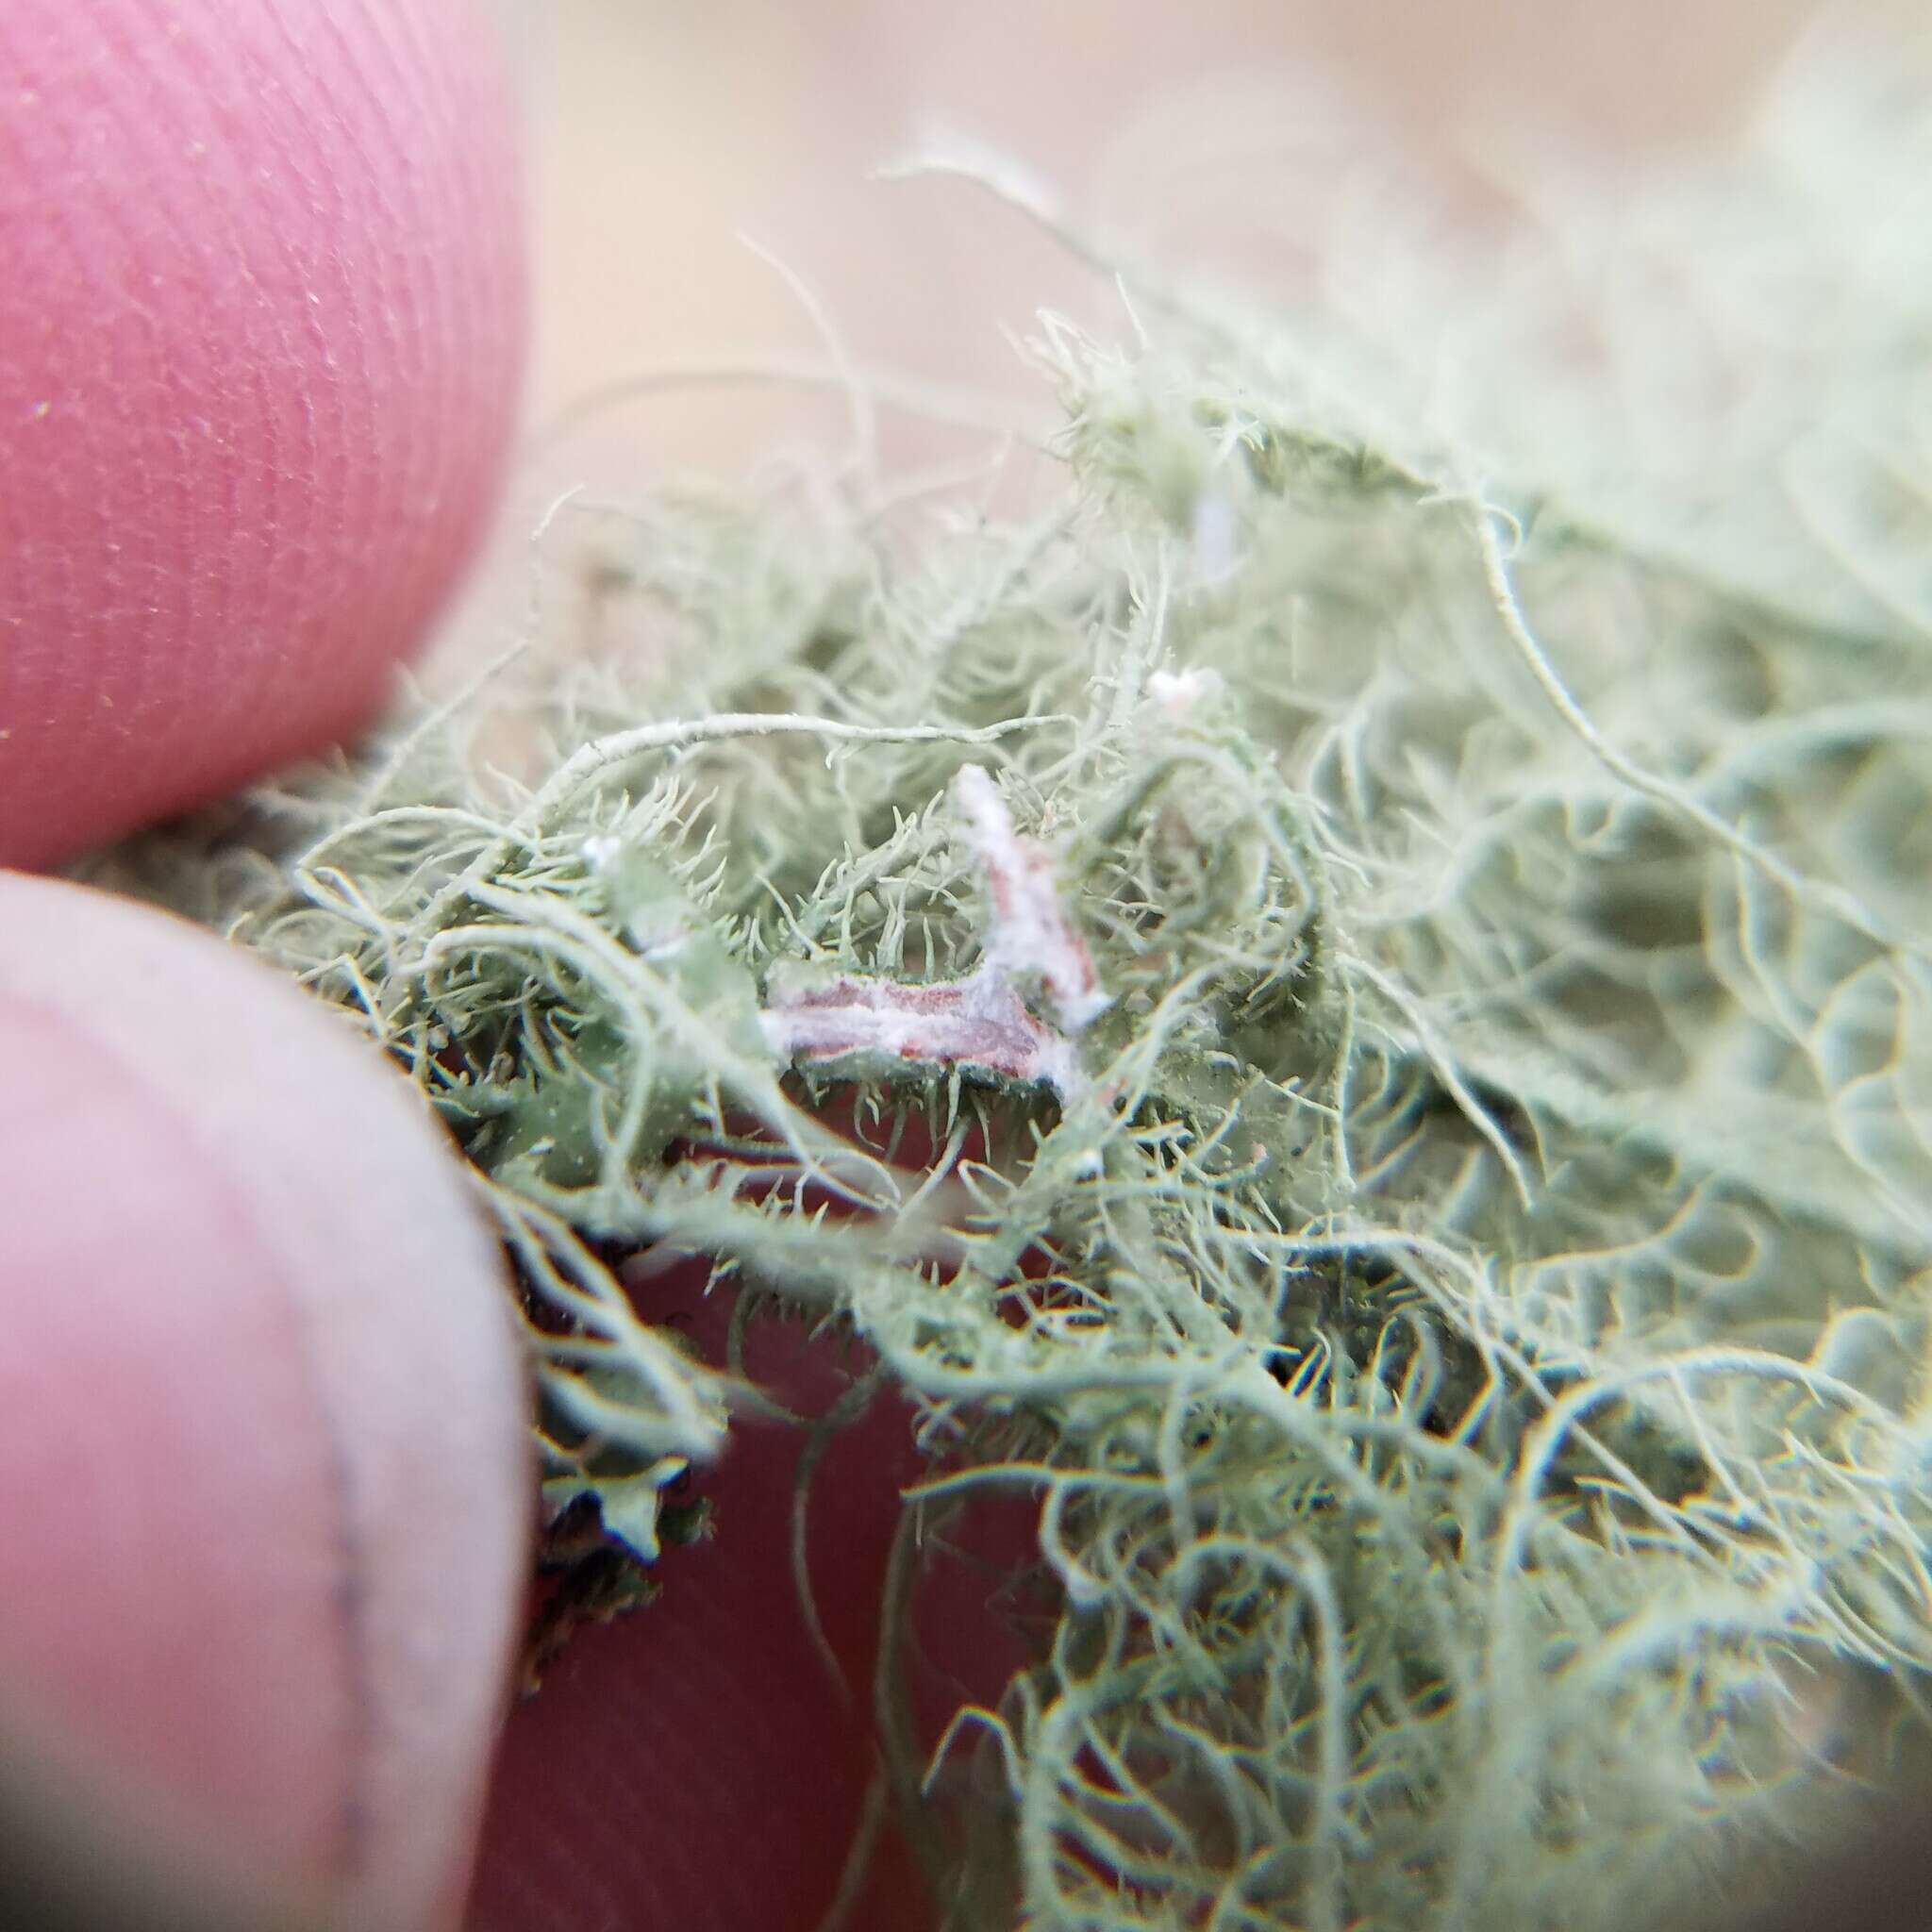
262 1534
262 319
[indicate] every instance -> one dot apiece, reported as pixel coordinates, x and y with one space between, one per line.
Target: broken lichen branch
1031 932
977 1023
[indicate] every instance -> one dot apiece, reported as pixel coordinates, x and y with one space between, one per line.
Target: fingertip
261 343
722 1713
263 1539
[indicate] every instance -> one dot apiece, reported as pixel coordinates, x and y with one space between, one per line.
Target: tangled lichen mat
1337 987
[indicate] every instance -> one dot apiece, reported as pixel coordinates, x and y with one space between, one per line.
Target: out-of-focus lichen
1454 1259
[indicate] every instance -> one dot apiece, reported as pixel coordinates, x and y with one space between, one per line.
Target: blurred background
662 128
666 135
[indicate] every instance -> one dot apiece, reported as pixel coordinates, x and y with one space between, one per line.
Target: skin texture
265 1514
260 334
696 1764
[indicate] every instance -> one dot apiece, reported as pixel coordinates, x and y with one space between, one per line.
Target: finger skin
263 1527
694 1767
262 330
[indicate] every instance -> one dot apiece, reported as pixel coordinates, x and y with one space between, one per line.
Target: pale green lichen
1459 1290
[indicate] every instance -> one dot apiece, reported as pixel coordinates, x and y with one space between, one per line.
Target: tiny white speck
1178 691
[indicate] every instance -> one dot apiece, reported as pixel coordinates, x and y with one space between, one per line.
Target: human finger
262 1529
261 328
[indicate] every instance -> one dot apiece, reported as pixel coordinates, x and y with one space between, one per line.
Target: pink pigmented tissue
981 1020
978 1021
262 315
1032 931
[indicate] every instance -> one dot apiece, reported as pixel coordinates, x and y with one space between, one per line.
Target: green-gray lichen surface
1391 902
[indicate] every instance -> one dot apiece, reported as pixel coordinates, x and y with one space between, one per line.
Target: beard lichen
1393 910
